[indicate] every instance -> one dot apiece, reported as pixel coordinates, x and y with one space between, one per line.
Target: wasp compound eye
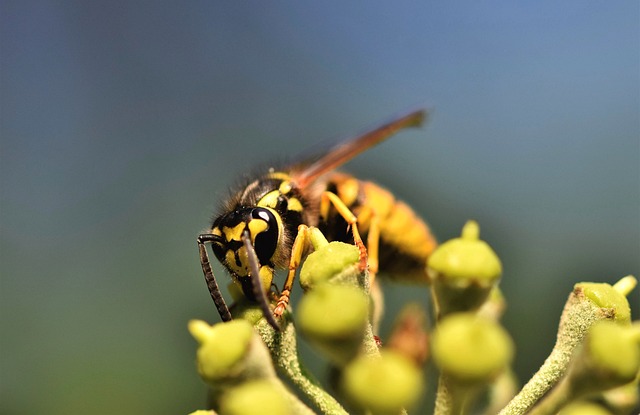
265 232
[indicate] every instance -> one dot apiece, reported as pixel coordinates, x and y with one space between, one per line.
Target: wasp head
262 227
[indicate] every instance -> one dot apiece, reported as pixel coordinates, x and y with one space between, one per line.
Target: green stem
452 399
284 352
578 316
554 400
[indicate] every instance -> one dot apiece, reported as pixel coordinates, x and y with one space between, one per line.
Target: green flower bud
235 290
623 398
334 318
382 385
230 352
608 297
222 346
610 357
335 259
245 309
256 397
470 349
584 408
467 259
463 271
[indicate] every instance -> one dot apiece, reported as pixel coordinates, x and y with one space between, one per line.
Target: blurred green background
124 122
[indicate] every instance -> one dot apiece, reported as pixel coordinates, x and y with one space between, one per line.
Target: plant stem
284 352
578 316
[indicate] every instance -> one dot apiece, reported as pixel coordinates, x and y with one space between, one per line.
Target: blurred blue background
124 122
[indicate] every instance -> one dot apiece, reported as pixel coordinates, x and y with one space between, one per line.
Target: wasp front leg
299 245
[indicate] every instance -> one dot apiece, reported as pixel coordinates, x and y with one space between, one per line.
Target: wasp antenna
258 291
210 279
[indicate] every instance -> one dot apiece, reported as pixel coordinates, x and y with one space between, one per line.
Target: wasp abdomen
405 239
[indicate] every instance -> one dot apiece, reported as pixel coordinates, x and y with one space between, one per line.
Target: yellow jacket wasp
265 225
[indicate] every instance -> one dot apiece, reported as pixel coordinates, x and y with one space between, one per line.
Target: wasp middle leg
304 235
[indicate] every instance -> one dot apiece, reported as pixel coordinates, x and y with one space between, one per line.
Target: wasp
265 225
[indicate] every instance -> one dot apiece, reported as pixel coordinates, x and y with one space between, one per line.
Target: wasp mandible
265 225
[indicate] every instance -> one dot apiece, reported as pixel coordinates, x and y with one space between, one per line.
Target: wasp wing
306 173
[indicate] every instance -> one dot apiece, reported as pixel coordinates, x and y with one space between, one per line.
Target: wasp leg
210 279
256 282
368 218
349 217
373 243
297 250
375 291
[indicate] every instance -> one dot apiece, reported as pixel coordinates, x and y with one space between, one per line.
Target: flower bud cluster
251 368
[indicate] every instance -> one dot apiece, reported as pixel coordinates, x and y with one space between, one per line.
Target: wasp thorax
259 224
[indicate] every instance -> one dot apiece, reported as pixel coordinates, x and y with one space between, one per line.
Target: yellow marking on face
241 269
266 276
270 199
278 219
216 231
235 289
294 204
234 233
285 187
255 227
